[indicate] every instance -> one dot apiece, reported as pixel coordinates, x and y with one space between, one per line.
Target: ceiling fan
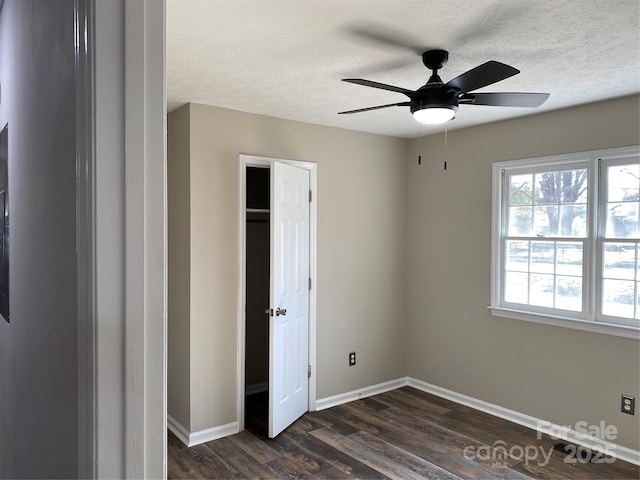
437 102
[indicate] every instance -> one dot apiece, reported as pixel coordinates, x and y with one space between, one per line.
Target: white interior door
289 296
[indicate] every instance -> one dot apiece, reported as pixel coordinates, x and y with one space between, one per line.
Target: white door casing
289 296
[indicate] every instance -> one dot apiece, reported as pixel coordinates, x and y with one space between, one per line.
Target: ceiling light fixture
433 115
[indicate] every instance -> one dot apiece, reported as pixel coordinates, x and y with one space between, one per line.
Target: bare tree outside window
567 188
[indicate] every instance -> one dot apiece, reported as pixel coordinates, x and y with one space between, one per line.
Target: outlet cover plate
352 359
628 404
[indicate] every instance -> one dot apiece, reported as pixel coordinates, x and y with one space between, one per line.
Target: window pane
622 220
619 261
546 188
624 183
544 273
520 190
569 259
542 257
516 288
517 256
546 220
573 220
618 298
520 221
573 186
541 290
569 293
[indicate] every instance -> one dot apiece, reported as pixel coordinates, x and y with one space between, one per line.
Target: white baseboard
341 398
213 433
202 436
543 426
178 430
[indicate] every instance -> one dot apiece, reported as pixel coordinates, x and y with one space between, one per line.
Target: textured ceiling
285 58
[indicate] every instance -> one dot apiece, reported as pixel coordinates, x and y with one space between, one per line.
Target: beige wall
453 341
178 337
361 258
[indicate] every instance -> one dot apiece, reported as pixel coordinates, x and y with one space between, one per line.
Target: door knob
281 311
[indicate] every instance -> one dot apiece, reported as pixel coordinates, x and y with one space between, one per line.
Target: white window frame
588 319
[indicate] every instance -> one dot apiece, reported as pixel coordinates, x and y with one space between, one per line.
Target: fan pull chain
420 145
445 148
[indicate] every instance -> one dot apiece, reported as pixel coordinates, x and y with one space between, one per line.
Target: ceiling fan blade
382 67
387 37
507 99
490 22
401 104
482 75
382 86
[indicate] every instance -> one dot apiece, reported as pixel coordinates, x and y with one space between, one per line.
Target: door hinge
309 372
310 195
309 283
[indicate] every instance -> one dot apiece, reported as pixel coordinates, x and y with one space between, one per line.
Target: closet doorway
277 232
256 359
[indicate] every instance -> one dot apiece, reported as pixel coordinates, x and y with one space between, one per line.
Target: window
566 240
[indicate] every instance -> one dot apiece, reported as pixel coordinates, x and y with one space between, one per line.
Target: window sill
564 322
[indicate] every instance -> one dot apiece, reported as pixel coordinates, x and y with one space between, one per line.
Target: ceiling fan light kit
437 102
434 115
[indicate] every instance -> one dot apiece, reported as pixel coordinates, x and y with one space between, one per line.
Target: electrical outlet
628 405
352 359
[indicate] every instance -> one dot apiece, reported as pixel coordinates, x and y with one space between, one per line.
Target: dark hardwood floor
404 434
